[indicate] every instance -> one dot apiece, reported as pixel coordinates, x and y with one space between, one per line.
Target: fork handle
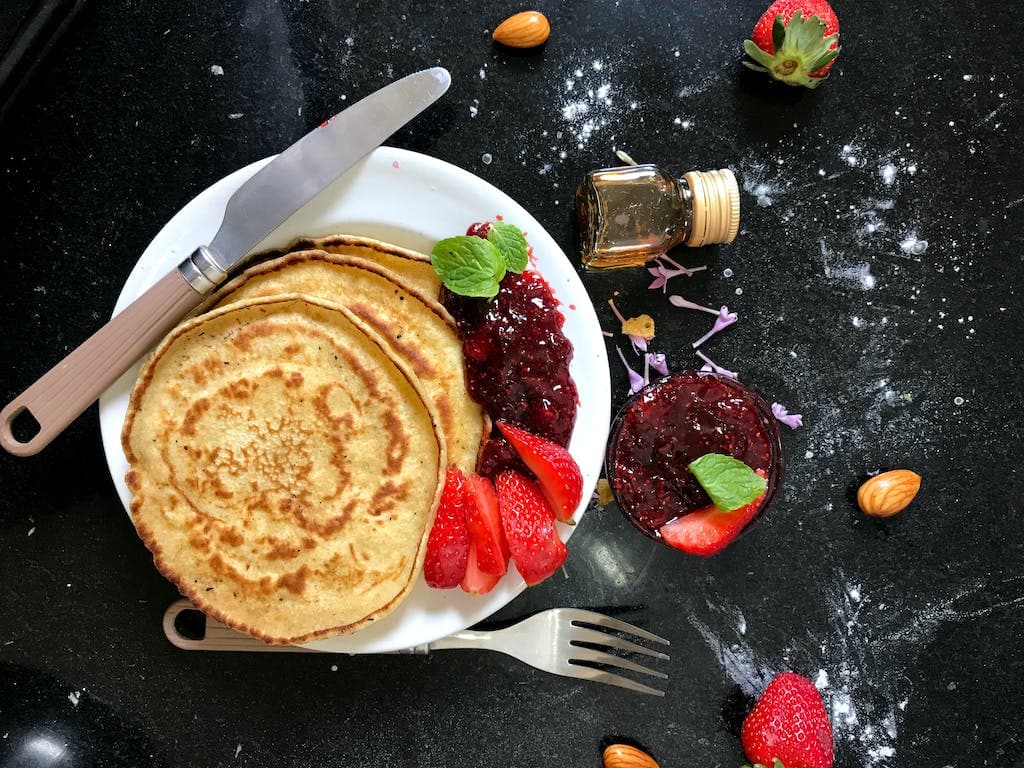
468 638
220 637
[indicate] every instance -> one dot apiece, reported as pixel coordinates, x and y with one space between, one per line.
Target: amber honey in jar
635 213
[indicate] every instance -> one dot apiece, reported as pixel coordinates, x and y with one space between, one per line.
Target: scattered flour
858 274
912 245
589 104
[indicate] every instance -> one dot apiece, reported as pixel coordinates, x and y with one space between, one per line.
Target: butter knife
254 211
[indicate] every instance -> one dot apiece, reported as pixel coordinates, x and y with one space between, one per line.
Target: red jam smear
517 363
672 423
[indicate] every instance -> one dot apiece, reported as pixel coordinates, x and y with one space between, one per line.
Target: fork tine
597 637
599 619
600 676
610 659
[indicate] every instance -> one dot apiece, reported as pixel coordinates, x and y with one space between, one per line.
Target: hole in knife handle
24 426
190 624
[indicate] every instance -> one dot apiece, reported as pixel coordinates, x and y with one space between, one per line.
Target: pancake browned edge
285 468
415 326
414 267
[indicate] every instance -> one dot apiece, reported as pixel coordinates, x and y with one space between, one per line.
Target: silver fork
558 640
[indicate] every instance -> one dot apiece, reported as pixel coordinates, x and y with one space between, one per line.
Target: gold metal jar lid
715 207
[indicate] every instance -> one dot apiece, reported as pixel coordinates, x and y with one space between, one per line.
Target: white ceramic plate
413 201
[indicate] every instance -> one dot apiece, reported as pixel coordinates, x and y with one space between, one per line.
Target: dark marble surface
896 356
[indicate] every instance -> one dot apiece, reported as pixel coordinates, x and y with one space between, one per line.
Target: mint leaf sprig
729 482
472 266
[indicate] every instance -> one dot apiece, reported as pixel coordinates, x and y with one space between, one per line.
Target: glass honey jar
635 213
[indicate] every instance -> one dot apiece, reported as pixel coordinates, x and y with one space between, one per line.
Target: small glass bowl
766 417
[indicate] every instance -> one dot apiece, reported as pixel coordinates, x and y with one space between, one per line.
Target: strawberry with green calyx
789 725
795 41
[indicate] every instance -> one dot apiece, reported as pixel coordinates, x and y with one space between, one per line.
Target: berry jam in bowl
671 423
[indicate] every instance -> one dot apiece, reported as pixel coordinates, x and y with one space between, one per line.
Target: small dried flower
640 329
663 274
636 381
679 301
791 420
710 366
658 362
724 320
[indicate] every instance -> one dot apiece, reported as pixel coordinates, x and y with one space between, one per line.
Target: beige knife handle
72 385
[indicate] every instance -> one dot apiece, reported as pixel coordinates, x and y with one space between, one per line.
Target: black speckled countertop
875 277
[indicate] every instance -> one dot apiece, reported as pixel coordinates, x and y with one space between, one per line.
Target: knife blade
253 212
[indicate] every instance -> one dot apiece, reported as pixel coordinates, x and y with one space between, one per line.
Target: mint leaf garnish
509 240
729 482
468 266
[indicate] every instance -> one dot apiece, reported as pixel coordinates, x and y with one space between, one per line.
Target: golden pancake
414 269
415 327
284 466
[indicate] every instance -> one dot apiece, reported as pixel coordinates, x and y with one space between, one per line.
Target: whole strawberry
788 724
795 41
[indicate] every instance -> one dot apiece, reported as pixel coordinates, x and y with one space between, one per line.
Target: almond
625 756
524 30
888 493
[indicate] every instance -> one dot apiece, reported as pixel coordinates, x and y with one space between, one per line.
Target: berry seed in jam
674 421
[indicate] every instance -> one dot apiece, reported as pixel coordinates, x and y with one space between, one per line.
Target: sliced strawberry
529 524
475 581
708 530
484 522
448 543
555 468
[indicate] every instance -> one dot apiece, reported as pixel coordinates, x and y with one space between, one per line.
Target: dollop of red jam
517 364
674 422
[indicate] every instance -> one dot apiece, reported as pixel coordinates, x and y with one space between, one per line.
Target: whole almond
524 30
625 756
888 493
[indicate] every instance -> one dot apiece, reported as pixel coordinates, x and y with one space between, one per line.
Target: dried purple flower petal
658 362
661 278
714 367
679 301
791 420
639 343
724 320
663 275
615 311
636 381
688 271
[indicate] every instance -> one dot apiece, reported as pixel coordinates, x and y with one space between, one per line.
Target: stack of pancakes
288 443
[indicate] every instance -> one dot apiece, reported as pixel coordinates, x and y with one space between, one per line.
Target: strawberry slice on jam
448 542
484 522
529 524
708 530
557 472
